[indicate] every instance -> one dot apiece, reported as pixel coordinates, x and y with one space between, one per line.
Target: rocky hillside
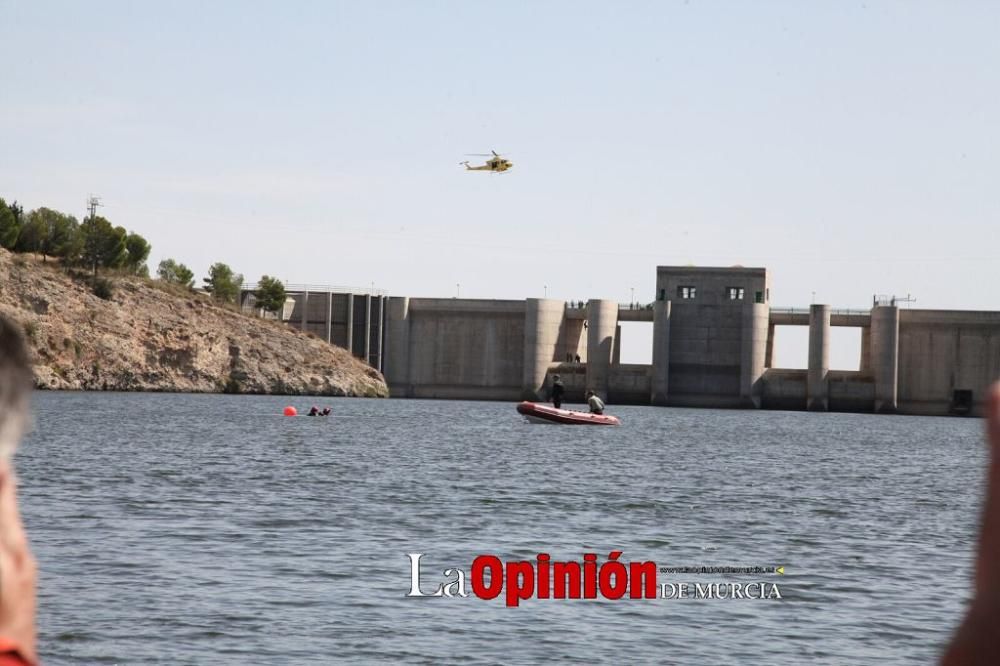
150 337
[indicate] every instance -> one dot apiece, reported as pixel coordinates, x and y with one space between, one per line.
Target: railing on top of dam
582 305
320 289
833 311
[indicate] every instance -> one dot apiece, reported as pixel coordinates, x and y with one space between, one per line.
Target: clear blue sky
850 147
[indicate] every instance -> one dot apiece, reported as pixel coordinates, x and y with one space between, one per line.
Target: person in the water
315 411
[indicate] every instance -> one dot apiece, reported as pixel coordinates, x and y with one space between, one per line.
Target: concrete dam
713 342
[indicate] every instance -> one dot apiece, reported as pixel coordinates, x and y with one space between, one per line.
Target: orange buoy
291 411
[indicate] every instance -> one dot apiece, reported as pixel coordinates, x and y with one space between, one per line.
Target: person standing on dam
556 394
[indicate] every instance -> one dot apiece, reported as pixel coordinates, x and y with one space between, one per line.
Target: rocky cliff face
148 338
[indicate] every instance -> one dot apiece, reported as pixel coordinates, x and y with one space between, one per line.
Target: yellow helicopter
496 163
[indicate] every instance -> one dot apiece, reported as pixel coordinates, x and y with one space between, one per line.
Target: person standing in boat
556 394
596 404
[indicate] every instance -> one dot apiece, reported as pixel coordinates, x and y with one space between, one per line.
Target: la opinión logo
489 577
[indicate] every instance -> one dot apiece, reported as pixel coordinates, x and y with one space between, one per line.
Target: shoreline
148 336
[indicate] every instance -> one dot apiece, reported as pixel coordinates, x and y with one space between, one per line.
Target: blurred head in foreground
18 570
15 385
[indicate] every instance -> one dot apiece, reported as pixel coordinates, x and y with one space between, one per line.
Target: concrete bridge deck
838 317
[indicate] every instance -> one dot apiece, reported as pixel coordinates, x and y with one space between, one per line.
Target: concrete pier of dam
713 346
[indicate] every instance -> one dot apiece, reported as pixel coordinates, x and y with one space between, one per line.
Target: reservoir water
210 529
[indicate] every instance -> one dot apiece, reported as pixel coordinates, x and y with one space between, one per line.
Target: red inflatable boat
538 413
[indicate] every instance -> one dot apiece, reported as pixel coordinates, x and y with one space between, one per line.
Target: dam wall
713 346
469 349
947 360
506 350
843 390
923 362
630 384
351 318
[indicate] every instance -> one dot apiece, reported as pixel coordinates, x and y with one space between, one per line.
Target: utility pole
92 204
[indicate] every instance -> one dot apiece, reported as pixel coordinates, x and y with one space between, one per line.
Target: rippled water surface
209 529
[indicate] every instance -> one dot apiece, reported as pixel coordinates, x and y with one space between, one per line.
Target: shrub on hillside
103 288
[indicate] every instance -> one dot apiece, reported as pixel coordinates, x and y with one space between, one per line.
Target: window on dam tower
686 292
734 293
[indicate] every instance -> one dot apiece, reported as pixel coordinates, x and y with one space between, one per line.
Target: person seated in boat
325 412
556 395
596 404
314 411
